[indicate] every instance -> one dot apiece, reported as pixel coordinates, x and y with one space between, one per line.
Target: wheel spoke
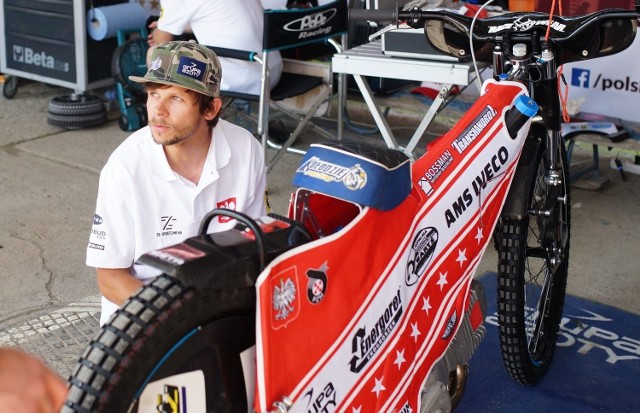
537 337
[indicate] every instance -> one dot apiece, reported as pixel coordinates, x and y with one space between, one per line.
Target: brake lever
382 31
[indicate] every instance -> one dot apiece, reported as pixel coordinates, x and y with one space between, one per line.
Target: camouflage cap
186 64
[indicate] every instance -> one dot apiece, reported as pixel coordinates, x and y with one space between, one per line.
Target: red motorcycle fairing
356 320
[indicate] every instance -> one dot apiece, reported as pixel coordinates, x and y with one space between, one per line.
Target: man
161 181
230 24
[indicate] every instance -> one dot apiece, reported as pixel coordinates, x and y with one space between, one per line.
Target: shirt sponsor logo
470 134
229 203
98 234
97 219
95 246
167 227
364 345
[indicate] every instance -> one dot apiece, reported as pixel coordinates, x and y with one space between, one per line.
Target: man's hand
157 36
117 284
152 27
27 385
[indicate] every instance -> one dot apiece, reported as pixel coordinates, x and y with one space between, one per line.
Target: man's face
174 115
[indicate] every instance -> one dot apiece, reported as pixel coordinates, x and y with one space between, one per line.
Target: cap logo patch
155 65
191 68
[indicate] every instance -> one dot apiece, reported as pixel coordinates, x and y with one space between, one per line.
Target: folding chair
283 30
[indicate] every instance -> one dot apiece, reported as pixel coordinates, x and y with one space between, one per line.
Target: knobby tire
163 330
531 287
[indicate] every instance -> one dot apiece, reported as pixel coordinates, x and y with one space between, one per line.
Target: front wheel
169 347
533 256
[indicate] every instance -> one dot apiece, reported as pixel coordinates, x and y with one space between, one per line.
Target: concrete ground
48 182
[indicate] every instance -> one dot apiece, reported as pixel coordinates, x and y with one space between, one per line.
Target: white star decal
425 305
442 281
479 235
461 256
399 358
378 387
356 409
414 331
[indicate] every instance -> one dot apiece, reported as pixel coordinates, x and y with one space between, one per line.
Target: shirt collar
219 156
158 160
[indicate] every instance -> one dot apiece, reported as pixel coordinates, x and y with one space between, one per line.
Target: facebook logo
580 77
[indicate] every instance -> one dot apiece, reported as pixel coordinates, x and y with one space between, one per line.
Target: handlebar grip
373 15
233 53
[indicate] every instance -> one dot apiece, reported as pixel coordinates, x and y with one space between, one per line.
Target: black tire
167 329
10 86
76 105
77 121
533 257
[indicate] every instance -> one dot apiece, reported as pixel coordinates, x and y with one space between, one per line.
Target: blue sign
595 368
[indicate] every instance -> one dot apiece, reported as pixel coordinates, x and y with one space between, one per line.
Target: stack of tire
76 111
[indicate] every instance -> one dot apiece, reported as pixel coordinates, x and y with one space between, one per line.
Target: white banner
609 85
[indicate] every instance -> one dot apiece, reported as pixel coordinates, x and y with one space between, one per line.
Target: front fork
547 197
550 213
547 95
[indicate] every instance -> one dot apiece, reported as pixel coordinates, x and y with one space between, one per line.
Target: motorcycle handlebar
373 15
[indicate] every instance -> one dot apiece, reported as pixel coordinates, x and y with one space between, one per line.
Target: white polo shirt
143 205
232 24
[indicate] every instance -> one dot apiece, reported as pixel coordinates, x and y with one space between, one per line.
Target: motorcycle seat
368 175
